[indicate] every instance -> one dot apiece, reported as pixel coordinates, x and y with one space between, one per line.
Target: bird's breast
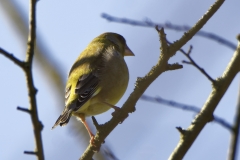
114 80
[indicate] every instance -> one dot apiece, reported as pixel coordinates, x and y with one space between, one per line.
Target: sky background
66 28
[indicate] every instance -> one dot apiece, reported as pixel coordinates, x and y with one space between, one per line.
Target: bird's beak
128 52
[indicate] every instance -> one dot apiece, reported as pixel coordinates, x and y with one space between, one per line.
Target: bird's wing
85 88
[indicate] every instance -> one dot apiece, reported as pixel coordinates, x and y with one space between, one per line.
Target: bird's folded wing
85 88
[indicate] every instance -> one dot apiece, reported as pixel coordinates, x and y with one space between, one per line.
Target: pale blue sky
67 27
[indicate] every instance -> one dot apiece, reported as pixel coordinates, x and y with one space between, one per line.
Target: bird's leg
82 118
117 112
112 106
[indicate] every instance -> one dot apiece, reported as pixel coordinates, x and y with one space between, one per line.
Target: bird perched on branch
97 80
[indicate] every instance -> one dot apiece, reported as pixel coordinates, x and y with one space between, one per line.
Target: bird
97 80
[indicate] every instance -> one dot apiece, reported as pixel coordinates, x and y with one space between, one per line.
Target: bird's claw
94 145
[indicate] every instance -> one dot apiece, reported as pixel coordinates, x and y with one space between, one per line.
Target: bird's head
118 41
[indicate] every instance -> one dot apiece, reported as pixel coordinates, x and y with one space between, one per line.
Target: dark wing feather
67 93
85 88
63 119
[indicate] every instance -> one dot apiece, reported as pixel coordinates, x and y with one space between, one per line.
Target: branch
168 25
210 105
30 152
192 62
235 133
184 107
12 58
201 22
32 91
27 67
24 110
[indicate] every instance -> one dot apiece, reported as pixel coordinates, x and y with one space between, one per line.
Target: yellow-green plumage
98 78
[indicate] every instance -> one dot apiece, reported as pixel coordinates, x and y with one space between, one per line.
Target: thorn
30 152
174 66
24 110
186 62
156 27
182 131
95 123
190 50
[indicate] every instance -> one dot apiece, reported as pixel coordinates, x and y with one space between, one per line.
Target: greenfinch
97 80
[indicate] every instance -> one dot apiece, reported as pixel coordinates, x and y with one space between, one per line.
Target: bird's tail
63 118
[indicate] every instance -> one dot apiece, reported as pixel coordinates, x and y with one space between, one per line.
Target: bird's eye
121 39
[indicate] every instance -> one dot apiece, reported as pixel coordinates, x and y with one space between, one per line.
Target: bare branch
180 130
184 107
235 132
210 105
168 25
24 110
163 40
37 125
192 62
12 58
27 67
30 152
32 31
201 22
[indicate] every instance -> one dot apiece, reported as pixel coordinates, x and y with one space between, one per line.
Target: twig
24 110
235 133
30 152
192 62
181 131
184 107
168 25
12 58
